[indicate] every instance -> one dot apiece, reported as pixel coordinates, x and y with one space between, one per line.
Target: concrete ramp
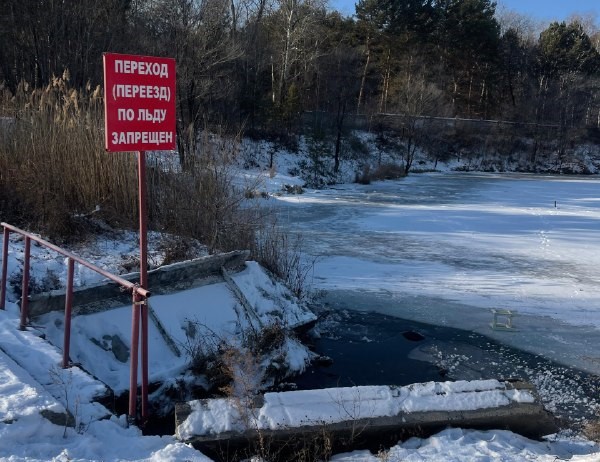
189 300
363 415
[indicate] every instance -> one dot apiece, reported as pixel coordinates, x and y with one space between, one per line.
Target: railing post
140 296
4 269
25 288
143 308
134 355
144 346
68 309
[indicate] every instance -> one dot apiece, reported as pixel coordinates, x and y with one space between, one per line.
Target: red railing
139 298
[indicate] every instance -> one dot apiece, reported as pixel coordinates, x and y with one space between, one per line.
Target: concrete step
363 415
41 362
21 396
164 280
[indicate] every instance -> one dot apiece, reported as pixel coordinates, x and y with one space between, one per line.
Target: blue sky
546 10
553 10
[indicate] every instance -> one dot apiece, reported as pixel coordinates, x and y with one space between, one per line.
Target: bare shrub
176 249
281 253
358 148
244 369
201 346
63 380
354 412
364 177
267 339
203 201
37 284
388 172
239 363
592 430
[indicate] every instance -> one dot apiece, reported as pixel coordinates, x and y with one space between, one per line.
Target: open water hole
369 348
366 349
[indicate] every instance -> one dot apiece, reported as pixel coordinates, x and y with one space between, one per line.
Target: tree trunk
364 76
338 141
386 85
233 19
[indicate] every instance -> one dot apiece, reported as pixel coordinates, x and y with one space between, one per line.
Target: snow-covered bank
35 384
458 445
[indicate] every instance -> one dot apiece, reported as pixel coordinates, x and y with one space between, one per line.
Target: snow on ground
270 299
111 250
477 241
458 445
35 439
25 435
43 361
20 395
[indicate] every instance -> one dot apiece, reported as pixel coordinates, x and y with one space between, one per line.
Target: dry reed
54 173
54 167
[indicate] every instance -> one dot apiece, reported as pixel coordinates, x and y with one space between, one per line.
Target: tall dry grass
54 174
54 169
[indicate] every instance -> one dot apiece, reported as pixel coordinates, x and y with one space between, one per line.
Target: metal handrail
119 280
139 293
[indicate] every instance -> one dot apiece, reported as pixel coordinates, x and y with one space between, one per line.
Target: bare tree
199 35
295 29
42 38
416 99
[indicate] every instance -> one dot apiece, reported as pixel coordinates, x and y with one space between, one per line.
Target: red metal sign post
139 106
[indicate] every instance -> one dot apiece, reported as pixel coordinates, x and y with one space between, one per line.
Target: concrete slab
524 416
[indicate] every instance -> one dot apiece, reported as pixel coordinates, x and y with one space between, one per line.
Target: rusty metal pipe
134 355
4 269
119 280
25 288
68 309
143 212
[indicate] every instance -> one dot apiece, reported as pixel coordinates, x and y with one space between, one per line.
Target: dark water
369 348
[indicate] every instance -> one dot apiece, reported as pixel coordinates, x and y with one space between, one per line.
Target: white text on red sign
139 102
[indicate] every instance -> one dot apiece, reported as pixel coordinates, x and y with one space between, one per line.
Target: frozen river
446 248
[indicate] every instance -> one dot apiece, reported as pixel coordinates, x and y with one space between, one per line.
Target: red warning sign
139 103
